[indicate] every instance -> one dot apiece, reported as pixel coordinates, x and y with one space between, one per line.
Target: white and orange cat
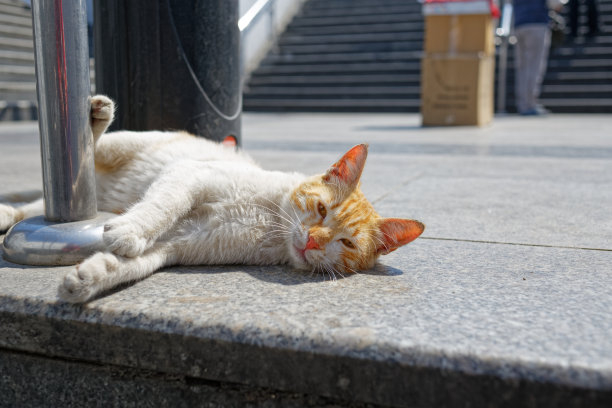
185 200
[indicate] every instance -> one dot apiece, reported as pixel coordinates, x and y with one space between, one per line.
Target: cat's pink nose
311 244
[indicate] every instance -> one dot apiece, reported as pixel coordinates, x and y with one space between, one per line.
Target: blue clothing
530 12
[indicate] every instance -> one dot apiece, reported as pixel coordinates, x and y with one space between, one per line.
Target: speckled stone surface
505 302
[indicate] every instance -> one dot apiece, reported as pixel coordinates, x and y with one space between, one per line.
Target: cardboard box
457 90
459 34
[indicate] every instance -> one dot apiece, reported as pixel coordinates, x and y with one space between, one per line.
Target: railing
248 20
503 33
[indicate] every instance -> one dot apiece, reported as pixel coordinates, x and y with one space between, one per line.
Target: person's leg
520 78
573 17
593 17
542 48
533 42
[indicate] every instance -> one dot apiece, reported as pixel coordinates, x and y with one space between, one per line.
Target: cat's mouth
301 257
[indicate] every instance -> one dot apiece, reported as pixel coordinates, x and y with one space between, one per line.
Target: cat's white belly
230 233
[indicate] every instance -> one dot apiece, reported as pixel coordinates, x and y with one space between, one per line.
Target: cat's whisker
287 218
347 267
282 209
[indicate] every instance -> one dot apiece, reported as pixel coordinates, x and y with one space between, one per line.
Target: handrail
254 13
247 21
503 32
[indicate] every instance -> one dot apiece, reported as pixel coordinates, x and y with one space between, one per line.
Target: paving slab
505 301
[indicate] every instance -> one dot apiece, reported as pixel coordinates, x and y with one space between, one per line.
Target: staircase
17 77
343 55
364 55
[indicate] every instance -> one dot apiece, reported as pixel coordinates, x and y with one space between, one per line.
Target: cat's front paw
9 216
124 238
88 279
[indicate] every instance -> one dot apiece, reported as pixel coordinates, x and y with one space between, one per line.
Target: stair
17 74
18 100
343 55
364 55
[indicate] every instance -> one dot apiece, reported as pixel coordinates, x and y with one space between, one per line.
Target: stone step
360 10
354 47
342 79
17 73
334 92
11 31
15 9
16 58
347 4
350 38
17 21
16 44
374 68
356 29
366 19
337 105
341 57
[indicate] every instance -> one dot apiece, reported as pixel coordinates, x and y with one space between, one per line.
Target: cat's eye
322 210
347 243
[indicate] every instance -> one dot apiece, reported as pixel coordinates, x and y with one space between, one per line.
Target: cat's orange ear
347 171
397 232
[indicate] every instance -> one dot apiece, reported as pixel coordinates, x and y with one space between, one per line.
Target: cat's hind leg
104 270
11 215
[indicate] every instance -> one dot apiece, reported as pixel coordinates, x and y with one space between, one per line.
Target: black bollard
171 65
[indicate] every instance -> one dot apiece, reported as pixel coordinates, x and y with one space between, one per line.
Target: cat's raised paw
102 108
102 114
87 279
123 238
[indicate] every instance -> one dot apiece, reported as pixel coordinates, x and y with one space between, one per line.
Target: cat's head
338 229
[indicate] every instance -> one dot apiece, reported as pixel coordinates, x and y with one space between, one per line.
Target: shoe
537 111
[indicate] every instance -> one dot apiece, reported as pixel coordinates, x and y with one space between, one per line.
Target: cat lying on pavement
185 200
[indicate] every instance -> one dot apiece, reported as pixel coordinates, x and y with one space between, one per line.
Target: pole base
35 241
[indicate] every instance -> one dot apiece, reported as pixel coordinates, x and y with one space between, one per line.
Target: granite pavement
505 300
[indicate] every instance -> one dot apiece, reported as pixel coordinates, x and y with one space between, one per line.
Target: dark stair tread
341 57
336 90
367 19
306 80
349 38
357 28
355 47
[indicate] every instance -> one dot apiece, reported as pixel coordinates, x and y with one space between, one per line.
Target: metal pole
504 33
62 72
71 230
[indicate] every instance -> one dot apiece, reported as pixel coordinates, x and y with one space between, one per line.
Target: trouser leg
593 16
573 17
531 55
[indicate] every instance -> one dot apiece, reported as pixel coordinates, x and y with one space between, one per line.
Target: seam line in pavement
516 244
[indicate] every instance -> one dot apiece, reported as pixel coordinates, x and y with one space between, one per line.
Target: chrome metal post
62 72
70 231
